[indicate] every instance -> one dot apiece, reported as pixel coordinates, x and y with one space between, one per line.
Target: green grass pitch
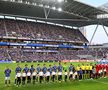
100 84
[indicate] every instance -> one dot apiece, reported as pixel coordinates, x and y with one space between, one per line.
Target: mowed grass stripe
83 85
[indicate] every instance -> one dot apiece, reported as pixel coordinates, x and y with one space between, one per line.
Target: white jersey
104 70
65 73
59 73
100 71
70 72
18 74
41 73
28 74
34 74
23 74
75 73
47 73
53 73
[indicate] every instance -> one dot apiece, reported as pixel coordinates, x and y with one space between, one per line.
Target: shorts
53 76
83 71
18 79
29 78
7 78
34 77
65 77
105 73
23 78
40 79
87 71
71 76
80 77
59 77
74 76
90 71
47 78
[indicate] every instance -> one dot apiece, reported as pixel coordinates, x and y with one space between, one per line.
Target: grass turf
100 84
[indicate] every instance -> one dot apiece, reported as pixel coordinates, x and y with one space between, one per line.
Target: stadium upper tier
33 55
33 30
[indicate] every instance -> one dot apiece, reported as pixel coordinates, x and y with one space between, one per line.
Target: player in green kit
65 67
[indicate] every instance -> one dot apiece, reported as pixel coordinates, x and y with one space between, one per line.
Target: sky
95 3
100 36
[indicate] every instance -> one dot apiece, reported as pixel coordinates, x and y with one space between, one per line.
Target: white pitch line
100 82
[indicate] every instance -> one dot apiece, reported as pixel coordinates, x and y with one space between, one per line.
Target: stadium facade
43 30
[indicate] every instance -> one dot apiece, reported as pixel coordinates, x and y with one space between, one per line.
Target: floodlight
47 6
60 1
41 5
54 8
59 9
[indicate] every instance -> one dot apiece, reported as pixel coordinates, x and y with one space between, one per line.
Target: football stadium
43 45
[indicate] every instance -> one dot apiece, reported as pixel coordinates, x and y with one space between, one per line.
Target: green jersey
65 67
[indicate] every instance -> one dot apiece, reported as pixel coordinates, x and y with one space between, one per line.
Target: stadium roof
67 12
104 7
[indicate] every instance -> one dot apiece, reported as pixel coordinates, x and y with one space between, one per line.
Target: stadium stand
33 55
18 28
24 40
